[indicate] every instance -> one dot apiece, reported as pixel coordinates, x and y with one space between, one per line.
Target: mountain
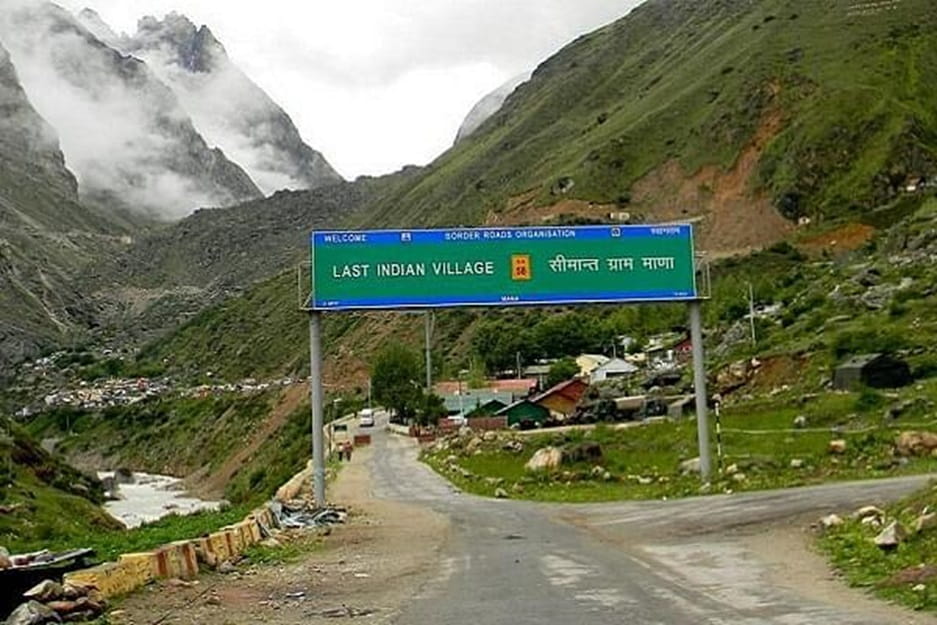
759 122
172 273
489 105
228 109
741 116
46 235
91 20
123 132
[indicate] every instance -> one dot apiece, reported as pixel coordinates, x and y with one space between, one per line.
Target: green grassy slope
692 81
44 498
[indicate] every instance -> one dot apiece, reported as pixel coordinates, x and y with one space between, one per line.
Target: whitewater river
152 497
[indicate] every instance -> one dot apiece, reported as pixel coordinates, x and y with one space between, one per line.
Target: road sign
459 267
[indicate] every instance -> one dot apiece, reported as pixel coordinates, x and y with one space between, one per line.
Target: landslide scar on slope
731 215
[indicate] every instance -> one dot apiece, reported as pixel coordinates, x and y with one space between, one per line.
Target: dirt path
370 566
794 563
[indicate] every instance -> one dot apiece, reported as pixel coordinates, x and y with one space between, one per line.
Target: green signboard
360 270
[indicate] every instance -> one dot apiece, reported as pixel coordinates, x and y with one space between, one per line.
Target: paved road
641 563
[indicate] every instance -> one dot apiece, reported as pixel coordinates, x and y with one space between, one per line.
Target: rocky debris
926 521
597 472
800 422
227 568
50 602
33 613
797 463
739 477
494 481
513 446
837 447
582 452
45 591
5 561
124 475
473 446
500 493
830 521
732 469
546 459
690 466
867 512
916 443
890 537
517 488
912 575
300 514
490 436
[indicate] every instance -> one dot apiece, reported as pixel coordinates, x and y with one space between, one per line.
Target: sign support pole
315 395
699 389
428 331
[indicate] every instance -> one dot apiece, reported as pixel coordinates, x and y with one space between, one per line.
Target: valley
154 260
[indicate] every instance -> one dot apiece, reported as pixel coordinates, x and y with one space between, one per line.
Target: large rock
81 606
925 522
45 591
866 512
830 521
33 613
690 466
473 445
583 452
546 459
5 561
837 447
916 443
890 537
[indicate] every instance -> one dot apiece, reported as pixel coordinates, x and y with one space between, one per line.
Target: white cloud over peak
373 84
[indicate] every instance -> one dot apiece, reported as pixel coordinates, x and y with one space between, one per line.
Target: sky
379 84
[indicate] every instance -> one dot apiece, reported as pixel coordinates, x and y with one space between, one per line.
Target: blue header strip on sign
464 235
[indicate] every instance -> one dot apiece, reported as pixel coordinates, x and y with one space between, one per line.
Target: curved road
642 563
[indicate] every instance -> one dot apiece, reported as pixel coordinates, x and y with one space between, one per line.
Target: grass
758 439
108 543
851 549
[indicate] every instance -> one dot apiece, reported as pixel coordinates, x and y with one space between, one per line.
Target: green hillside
42 497
833 108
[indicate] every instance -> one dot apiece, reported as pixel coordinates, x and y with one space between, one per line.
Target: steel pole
699 389
428 336
315 396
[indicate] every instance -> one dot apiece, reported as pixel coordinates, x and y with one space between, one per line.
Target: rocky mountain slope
176 271
46 235
227 108
124 133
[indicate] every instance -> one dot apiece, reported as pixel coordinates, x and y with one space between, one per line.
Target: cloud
377 84
122 132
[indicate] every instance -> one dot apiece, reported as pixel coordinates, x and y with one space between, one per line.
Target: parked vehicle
366 418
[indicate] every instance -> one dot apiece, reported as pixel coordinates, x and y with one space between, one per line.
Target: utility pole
518 369
315 396
751 311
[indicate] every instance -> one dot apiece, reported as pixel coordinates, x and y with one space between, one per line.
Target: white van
366 418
